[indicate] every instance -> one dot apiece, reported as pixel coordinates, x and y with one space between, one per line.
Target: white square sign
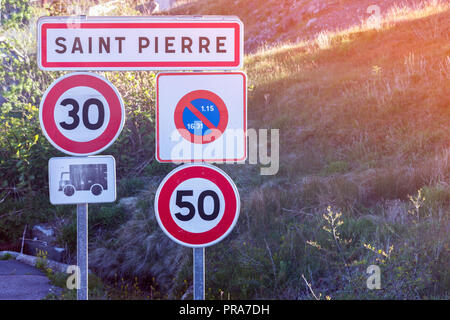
140 43
201 117
74 180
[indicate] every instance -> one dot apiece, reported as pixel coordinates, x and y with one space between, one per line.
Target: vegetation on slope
364 174
363 120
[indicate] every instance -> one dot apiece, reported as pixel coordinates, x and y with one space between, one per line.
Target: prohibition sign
201 116
81 114
197 205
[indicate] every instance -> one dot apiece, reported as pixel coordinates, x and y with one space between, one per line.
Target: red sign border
139 64
174 179
202 74
48 104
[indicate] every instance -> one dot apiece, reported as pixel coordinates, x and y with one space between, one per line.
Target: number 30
85 114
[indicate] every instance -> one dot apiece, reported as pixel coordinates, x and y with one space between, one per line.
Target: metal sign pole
82 251
199 273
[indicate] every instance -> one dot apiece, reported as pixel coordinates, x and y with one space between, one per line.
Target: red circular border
198 94
48 109
203 238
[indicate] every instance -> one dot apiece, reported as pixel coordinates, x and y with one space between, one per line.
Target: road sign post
82 180
199 273
82 251
82 114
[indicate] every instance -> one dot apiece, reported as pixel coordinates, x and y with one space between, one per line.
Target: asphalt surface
19 281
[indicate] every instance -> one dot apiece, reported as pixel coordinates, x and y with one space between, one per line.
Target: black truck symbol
83 177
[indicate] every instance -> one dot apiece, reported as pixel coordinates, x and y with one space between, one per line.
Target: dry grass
421 9
375 100
327 39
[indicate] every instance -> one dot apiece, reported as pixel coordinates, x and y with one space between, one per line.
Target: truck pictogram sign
74 180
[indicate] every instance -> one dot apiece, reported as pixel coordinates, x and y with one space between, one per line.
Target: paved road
19 281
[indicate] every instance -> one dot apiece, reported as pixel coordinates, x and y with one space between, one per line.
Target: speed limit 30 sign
81 114
197 205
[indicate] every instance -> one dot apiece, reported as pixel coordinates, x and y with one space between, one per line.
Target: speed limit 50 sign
81 114
197 205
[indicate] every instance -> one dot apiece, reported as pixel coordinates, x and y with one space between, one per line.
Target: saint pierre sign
140 43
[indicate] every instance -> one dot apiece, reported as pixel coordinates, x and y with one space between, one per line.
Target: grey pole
82 251
199 273
199 253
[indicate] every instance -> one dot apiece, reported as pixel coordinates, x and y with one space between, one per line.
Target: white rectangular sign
201 117
140 43
74 180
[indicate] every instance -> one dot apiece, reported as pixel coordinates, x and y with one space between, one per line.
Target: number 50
200 205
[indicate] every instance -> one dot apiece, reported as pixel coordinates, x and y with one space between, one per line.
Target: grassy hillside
364 176
374 101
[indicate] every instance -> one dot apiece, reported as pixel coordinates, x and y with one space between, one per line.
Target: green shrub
19 210
310 192
68 235
336 167
396 184
58 279
105 217
129 186
437 199
24 151
157 168
101 220
97 290
6 256
14 12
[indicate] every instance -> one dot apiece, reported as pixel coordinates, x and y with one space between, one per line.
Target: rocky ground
296 20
